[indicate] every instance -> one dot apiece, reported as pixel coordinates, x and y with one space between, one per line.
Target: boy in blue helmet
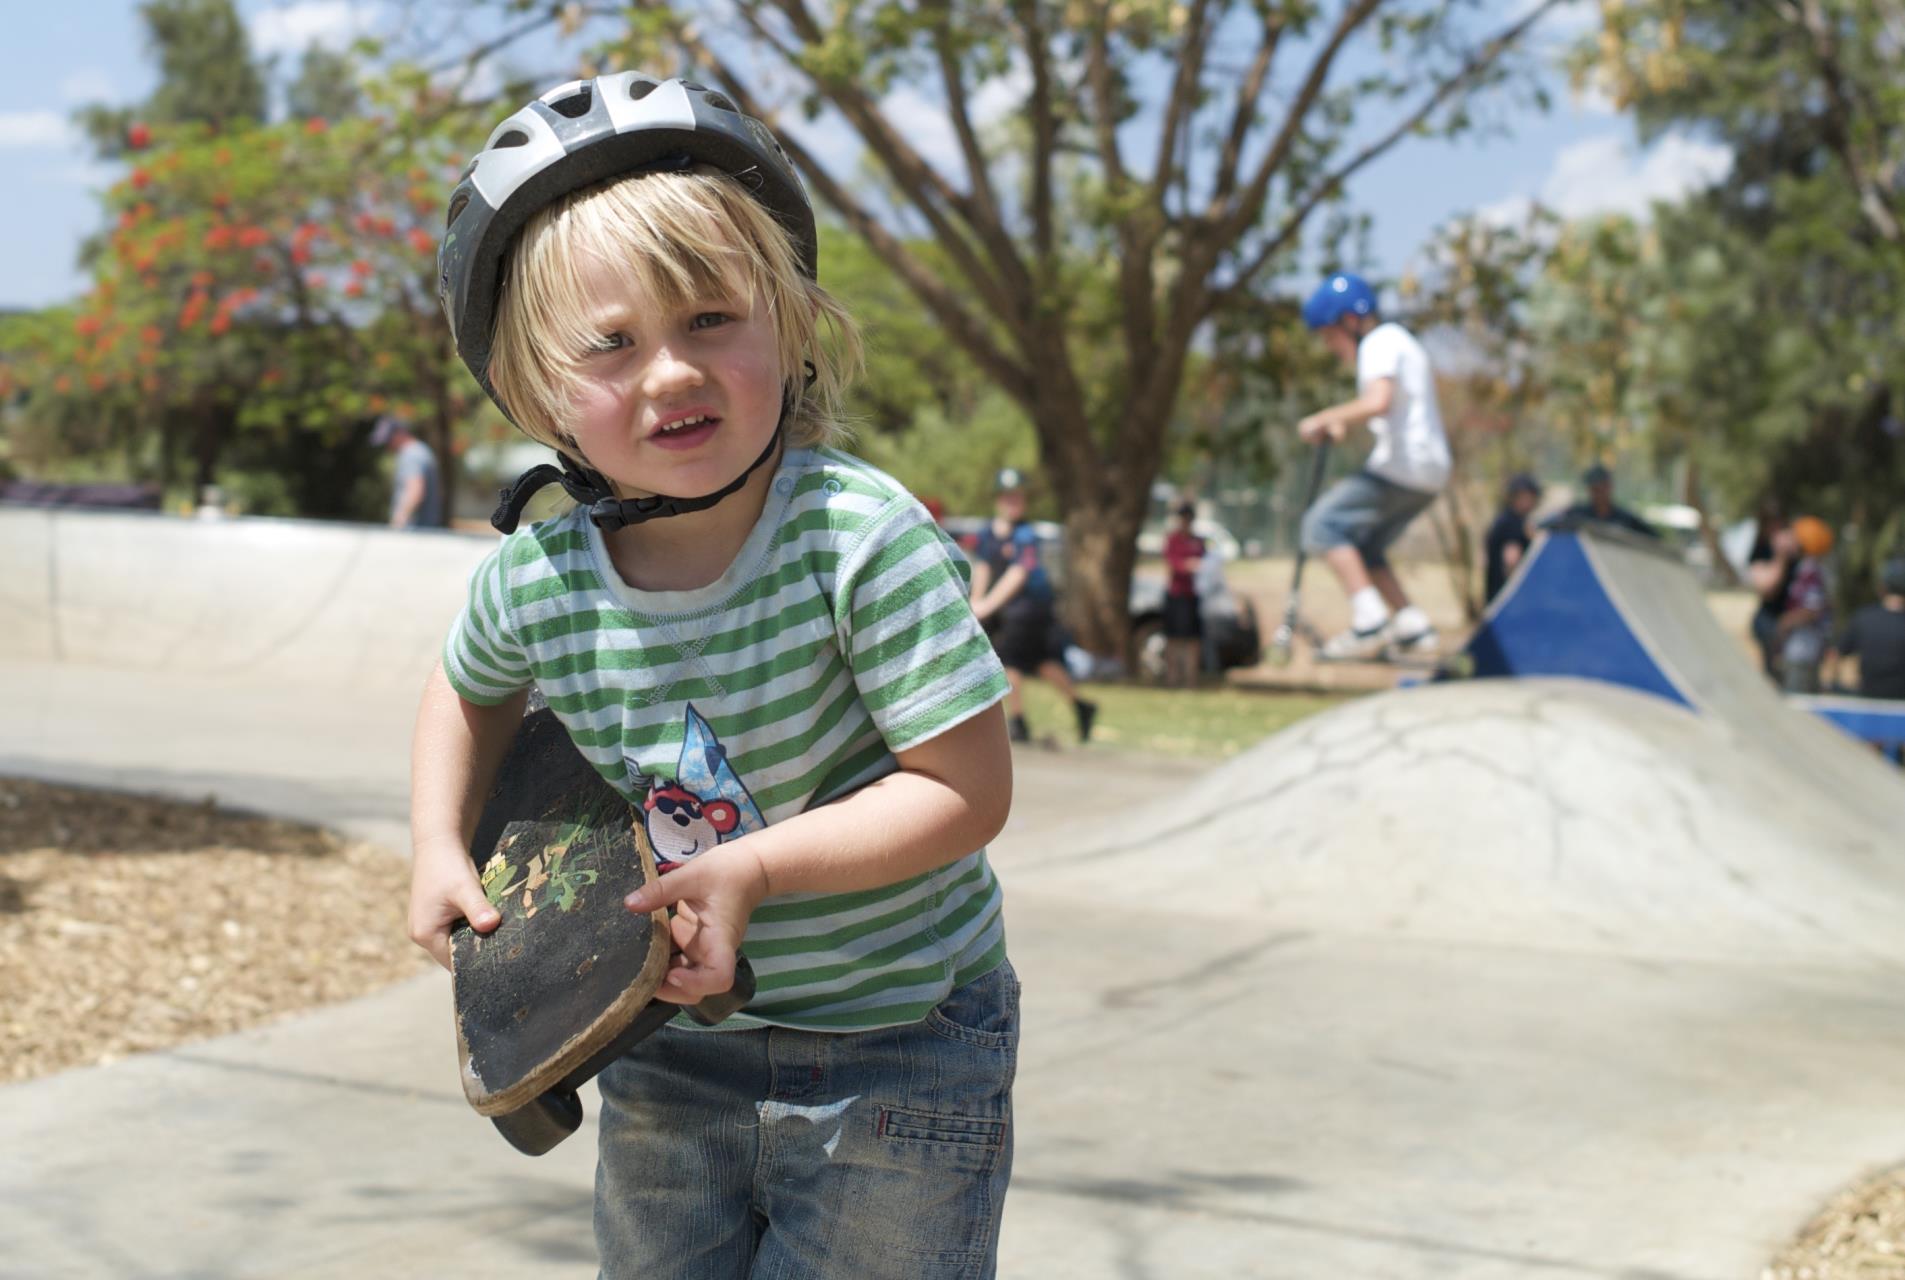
1353 524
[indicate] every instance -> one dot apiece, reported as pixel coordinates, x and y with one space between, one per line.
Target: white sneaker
1416 643
1356 646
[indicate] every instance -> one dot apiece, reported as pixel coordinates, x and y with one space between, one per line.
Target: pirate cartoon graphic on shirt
705 804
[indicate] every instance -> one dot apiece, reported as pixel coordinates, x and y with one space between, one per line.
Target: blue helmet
1340 295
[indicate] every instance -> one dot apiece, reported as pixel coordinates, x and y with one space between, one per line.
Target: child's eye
609 342
709 320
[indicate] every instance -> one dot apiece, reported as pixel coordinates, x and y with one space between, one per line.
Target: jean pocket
970 1132
984 1012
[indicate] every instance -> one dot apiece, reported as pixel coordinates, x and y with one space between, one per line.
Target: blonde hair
681 237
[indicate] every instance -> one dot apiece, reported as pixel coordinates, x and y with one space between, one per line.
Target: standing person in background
1184 555
416 491
1013 599
1353 524
1805 624
1508 538
1769 570
1600 505
1876 637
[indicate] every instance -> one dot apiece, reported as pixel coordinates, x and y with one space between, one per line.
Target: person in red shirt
1183 623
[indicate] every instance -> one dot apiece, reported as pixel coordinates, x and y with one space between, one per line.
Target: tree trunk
1101 544
1724 573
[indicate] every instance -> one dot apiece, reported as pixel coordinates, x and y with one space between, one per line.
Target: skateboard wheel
536 1129
716 1008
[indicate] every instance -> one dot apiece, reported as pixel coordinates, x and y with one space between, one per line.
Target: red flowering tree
259 294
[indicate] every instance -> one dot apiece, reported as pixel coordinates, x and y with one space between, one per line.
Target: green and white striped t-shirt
839 635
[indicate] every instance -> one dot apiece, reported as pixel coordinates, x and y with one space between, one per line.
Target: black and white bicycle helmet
574 136
582 133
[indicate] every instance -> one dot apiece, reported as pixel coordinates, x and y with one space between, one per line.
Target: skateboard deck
566 983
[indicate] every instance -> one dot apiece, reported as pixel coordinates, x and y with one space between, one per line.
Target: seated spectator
1600 504
1769 571
1508 538
1876 637
1805 623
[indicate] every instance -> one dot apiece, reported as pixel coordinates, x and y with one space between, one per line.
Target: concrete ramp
1599 604
245 599
1542 813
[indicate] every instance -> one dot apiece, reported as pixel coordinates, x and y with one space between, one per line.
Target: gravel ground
1860 1235
129 924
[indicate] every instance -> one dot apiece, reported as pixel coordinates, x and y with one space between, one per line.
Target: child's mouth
689 433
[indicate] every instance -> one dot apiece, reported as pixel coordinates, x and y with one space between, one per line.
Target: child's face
713 359
1341 338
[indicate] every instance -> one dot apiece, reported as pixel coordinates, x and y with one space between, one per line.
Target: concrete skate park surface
1492 979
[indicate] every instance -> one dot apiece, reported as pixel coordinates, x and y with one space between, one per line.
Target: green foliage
953 459
259 290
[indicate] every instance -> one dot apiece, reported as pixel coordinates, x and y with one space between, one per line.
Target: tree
261 291
207 74
1775 337
1074 272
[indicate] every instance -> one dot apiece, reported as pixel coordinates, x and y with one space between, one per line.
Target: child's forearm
949 797
454 755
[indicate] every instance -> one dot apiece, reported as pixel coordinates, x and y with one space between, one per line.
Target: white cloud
293 28
90 84
33 130
1512 212
1606 175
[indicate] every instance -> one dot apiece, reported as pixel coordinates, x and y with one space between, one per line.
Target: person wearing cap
1876 637
1599 504
1508 537
1804 629
1353 525
732 612
416 491
1013 598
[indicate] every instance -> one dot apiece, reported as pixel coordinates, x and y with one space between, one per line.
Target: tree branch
1190 65
961 324
1246 109
1330 184
1044 134
1237 220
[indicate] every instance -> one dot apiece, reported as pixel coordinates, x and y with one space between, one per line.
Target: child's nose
668 373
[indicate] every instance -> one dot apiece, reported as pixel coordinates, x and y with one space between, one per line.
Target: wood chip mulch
1859 1235
129 924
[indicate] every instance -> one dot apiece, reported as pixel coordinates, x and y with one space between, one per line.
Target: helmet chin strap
591 489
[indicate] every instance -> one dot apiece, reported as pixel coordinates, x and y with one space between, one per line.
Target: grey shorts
1363 511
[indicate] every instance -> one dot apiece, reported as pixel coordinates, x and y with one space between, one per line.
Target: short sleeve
1379 355
919 658
1849 641
483 658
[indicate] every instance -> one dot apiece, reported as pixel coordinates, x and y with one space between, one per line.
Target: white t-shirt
1411 449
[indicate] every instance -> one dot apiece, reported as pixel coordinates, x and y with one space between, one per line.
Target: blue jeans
773 1153
1364 511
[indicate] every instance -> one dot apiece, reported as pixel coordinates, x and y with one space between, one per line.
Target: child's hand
1318 425
443 890
713 896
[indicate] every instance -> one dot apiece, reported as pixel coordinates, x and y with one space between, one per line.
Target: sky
1581 157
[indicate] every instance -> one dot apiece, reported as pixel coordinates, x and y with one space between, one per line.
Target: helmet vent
575 106
514 138
720 103
456 207
692 87
639 89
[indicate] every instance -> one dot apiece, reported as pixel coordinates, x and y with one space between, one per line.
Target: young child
737 610
1805 624
1355 522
